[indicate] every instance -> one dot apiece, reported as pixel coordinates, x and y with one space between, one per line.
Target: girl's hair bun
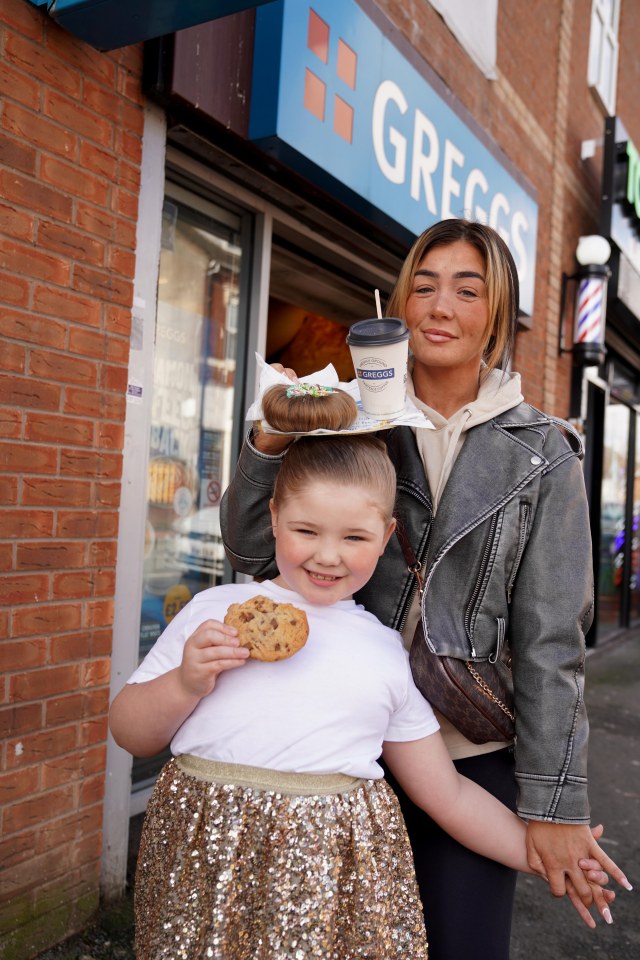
301 408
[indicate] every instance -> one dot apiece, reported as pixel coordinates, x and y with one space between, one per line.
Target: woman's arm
144 717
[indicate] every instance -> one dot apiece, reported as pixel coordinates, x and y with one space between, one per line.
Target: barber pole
590 314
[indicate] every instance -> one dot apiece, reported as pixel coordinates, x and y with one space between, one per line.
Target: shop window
603 52
192 412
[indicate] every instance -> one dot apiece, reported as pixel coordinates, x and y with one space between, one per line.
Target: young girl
271 833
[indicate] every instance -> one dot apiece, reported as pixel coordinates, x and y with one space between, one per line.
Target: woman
496 479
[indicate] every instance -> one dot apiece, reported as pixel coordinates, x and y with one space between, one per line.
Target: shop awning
107 24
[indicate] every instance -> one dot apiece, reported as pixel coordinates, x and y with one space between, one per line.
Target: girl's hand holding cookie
211 649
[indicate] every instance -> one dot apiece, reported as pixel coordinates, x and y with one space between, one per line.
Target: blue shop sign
108 24
335 99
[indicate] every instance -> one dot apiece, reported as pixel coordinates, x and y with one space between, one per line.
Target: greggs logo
319 98
387 374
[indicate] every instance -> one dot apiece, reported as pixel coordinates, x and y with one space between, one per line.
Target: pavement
546 928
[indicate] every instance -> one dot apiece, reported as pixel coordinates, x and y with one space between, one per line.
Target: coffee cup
380 350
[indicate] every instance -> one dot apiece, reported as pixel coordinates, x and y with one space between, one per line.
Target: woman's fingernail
625 883
606 913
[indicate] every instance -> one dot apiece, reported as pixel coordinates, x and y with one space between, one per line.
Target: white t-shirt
327 709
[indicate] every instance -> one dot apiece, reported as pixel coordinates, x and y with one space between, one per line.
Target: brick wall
70 150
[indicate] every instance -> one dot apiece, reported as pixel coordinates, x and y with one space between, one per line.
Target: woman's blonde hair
501 280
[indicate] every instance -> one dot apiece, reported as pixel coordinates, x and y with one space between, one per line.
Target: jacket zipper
525 510
416 575
480 579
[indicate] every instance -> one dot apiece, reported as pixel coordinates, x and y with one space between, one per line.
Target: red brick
26 523
91 791
36 810
54 491
99 613
32 329
69 647
67 830
54 72
27 392
103 553
13 358
19 458
26 20
65 176
8 490
102 283
53 680
23 88
24 588
104 583
15 290
75 245
20 719
51 554
17 784
78 54
6 549
57 771
111 436
87 524
125 203
76 706
129 145
89 463
42 133
63 304
122 261
89 343
118 320
59 366
42 427
78 584
94 403
10 424
98 160
96 673
16 223
107 495
72 115
114 378
93 732
20 655
17 849
35 196
20 259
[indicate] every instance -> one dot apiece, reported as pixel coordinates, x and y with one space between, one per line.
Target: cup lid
377 331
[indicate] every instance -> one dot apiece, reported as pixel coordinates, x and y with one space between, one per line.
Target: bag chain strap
488 692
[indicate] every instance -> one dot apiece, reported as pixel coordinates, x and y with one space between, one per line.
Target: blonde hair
306 411
353 461
501 281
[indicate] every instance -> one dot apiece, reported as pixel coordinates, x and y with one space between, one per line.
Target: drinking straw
378 307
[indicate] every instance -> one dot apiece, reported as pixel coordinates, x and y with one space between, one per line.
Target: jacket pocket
480 586
523 536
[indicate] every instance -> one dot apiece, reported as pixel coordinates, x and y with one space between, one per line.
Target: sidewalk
549 929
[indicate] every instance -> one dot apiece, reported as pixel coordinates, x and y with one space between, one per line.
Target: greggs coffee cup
380 350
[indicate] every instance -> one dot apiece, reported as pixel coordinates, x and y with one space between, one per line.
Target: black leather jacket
507 559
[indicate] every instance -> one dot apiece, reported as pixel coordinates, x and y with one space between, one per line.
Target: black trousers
467 899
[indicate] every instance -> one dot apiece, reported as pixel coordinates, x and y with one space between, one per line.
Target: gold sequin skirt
240 863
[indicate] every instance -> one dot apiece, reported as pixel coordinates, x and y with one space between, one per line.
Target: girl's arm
479 820
144 717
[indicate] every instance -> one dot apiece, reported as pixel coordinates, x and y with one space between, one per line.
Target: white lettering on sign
469 195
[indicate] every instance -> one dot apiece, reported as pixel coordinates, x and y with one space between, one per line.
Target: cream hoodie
499 391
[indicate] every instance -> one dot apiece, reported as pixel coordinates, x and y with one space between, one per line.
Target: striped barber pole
590 310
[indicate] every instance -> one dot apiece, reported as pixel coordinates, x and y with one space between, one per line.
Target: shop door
195 383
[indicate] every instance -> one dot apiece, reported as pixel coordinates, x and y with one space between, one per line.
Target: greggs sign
335 99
